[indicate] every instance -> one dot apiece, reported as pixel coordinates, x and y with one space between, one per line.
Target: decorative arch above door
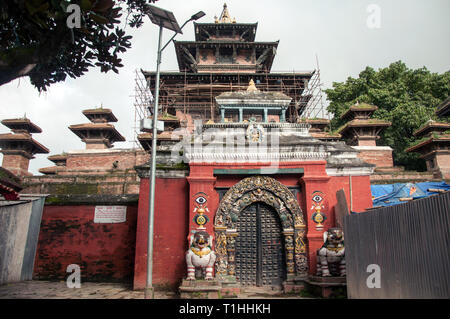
271 192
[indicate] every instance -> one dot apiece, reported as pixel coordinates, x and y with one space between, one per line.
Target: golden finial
251 86
225 16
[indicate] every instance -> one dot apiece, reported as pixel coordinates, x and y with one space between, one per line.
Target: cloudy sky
343 34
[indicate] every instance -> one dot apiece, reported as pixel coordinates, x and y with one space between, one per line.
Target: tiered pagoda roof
443 109
360 126
435 137
99 115
60 161
99 133
21 125
224 57
225 46
21 141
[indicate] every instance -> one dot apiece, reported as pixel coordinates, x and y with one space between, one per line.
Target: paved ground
90 290
59 290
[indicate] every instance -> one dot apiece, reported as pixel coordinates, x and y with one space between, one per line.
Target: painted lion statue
200 257
331 256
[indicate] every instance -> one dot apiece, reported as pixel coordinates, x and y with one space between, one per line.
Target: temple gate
260 233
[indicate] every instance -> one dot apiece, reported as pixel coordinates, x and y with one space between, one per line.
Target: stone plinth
230 286
326 286
199 289
297 284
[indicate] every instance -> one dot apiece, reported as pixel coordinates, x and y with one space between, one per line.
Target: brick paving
92 290
88 290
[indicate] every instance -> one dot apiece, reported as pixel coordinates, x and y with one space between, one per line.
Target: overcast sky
416 32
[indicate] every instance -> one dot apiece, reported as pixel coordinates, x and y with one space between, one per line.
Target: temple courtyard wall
117 252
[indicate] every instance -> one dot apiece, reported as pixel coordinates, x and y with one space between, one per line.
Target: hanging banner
110 214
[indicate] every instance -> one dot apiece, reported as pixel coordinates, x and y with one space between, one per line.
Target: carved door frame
271 192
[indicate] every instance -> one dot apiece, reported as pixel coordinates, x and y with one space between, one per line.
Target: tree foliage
407 98
36 41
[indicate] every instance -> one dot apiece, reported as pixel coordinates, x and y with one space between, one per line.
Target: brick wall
380 156
105 252
104 160
17 164
112 183
368 142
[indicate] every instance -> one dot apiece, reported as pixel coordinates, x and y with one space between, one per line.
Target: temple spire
225 16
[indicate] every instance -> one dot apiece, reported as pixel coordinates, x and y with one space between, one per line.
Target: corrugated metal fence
409 242
20 223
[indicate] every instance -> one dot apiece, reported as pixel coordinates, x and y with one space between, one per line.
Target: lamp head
198 15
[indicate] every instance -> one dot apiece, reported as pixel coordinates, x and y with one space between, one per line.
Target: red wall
314 178
170 233
68 235
175 205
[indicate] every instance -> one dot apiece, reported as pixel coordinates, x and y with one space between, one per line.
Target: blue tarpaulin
390 194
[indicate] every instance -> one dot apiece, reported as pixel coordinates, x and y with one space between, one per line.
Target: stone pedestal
326 286
295 284
230 287
200 289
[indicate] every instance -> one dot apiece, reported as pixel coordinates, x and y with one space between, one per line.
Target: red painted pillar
202 195
361 193
170 230
315 184
140 261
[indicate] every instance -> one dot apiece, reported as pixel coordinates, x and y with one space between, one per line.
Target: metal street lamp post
164 19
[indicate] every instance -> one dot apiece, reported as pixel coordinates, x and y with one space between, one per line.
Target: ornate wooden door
259 247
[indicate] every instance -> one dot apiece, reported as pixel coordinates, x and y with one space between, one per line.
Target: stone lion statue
200 257
331 256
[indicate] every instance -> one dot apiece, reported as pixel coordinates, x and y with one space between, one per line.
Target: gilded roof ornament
251 86
225 16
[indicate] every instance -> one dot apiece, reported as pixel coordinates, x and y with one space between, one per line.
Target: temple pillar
222 115
289 242
283 115
265 115
241 115
203 198
231 251
317 211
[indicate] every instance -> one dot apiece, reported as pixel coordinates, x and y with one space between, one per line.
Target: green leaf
86 5
98 18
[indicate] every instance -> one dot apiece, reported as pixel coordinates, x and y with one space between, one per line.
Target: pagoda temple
19 146
434 147
250 166
223 58
97 159
234 160
98 134
60 162
362 132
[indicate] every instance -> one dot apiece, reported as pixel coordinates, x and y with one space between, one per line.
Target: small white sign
110 214
147 125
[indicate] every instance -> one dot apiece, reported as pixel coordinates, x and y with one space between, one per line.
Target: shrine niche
269 195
